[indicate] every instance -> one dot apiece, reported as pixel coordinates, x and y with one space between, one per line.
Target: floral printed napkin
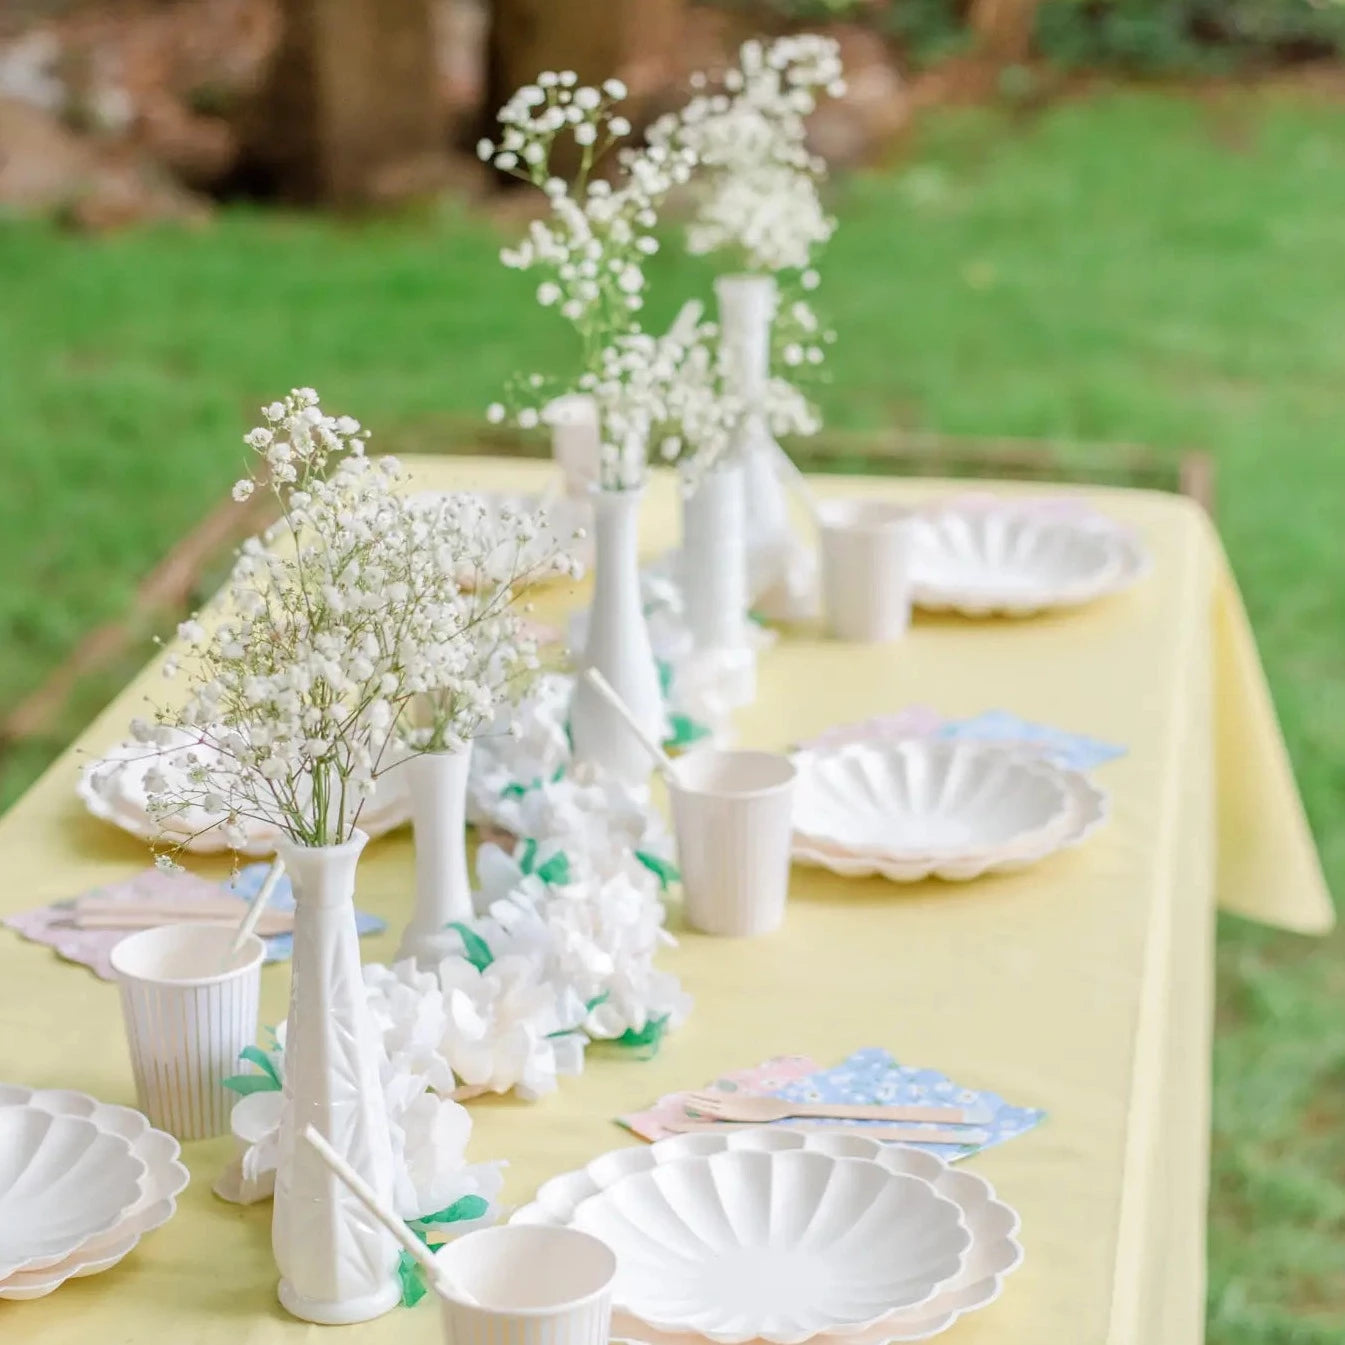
870 1075
93 947
1073 751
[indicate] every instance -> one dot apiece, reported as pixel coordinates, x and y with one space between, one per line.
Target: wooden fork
735 1107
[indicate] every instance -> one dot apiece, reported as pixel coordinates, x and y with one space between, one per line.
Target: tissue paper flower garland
563 951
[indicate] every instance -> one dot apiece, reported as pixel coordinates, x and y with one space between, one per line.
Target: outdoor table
1082 985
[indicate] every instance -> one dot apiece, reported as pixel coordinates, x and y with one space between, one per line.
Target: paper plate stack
81 1182
986 559
915 808
771 1234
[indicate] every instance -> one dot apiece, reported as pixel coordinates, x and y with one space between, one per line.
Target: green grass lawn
1137 267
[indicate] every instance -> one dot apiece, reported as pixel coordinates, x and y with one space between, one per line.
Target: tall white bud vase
713 559
437 785
617 645
747 306
337 1264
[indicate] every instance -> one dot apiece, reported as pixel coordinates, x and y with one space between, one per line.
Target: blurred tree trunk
351 114
634 40
1003 28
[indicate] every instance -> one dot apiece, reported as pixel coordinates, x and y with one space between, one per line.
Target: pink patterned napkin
93 947
760 1081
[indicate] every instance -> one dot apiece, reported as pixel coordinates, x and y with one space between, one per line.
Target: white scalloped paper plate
993 1255
164 1179
1007 560
924 800
1085 811
124 803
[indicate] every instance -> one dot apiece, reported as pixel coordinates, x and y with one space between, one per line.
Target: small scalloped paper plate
164 1179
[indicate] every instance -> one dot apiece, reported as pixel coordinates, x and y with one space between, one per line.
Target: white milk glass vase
437 785
617 646
337 1264
746 312
713 559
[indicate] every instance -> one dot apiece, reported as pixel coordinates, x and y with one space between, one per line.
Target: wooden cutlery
736 1108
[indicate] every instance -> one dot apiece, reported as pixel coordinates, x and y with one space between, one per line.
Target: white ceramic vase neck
747 305
437 785
337 1263
618 646
576 442
714 559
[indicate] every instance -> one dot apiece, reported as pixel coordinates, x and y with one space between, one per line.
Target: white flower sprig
493 660
678 395
757 182
593 249
340 624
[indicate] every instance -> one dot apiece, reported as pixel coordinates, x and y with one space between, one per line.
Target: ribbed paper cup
533 1285
732 816
190 1007
867 563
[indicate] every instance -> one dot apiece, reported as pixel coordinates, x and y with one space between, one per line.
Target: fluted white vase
337 1264
617 645
437 785
713 559
747 306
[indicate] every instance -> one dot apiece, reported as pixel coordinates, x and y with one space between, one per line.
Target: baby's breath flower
357 609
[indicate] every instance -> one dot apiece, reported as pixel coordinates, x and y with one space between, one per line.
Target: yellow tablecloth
1081 986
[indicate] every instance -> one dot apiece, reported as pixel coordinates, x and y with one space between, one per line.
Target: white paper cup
190 1007
732 816
533 1285
867 551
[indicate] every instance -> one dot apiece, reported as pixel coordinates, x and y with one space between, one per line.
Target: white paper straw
789 469
605 689
259 904
422 1255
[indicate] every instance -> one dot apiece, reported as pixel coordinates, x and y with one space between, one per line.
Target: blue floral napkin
1073 751
873 1076
247 882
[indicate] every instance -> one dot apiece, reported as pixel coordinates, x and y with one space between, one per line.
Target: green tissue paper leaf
556 870
662 869
474 947
648 1039
527 855
597 1001
514 791
665 676
413 1282
243 1084
468 1207
685 731
263 1062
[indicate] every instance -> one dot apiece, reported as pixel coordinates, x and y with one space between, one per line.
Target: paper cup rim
712 792
253 946
511 1231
